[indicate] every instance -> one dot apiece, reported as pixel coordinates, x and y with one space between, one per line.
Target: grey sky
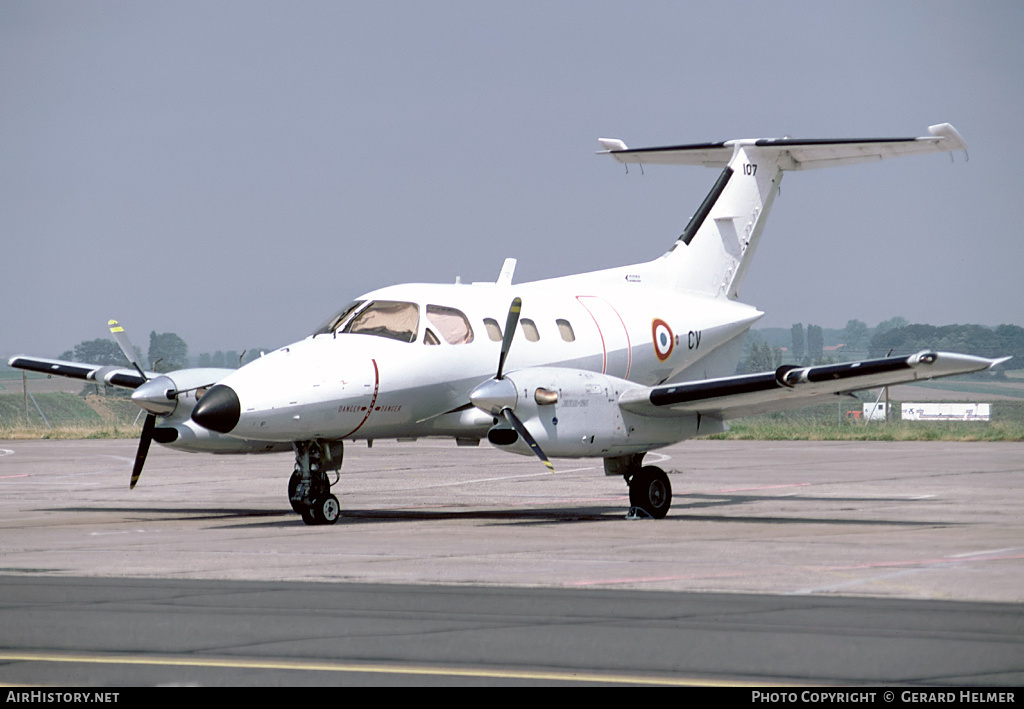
235 171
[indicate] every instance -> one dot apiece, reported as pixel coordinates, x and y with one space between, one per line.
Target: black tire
324 510
650 490
308 515
293 482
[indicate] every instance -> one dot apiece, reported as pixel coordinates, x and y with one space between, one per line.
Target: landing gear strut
650 492
309 489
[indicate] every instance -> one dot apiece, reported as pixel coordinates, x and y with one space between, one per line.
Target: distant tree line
806 348
979 340
230 359
762 357
98 351
806 345
167 352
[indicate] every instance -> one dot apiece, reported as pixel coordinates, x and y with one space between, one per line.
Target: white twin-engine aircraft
610 364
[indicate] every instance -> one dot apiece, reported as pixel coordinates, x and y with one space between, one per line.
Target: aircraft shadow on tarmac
287 518
695 501
689 508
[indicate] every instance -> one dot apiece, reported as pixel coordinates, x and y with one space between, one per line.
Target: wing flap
790 387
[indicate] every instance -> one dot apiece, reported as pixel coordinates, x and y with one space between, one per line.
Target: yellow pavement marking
321 666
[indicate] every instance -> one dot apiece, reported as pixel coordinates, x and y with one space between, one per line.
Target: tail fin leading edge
714 251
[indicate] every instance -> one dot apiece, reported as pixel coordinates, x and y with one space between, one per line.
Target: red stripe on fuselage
373 401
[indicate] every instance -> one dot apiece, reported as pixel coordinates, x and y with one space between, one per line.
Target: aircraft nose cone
218 410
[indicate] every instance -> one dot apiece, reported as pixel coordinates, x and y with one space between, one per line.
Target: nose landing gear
309 488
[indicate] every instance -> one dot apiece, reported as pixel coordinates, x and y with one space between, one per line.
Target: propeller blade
497 395
121 338
144 441
510 330
530 441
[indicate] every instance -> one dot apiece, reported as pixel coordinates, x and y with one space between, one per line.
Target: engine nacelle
173 396
177 391
183 434
574 413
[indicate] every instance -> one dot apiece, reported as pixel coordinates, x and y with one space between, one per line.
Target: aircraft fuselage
346 385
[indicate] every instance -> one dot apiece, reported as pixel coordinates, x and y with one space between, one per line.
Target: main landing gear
309 489
650 492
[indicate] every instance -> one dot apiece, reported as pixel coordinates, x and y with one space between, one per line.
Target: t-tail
714 251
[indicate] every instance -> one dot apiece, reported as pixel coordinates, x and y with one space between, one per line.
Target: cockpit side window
335 321
387 318
451 323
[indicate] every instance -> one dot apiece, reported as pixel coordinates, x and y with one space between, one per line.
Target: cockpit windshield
399 320
386 318
334 322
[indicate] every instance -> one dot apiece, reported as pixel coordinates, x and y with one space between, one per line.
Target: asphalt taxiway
779 562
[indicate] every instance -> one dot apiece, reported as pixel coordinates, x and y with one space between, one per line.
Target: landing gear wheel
325 510
293 483
650 490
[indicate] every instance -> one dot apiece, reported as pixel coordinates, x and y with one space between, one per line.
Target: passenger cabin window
530 329
565 329
338 319
387 318
451 323
493 329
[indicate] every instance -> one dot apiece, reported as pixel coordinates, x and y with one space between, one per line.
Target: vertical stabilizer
713 252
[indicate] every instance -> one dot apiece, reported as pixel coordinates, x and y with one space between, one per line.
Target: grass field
803 430
71 416
67 415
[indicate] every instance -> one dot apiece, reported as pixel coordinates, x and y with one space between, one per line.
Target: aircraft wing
791 387
126 377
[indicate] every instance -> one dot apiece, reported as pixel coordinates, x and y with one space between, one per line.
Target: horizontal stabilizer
792 153
790 386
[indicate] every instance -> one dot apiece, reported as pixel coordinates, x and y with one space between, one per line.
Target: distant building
875 411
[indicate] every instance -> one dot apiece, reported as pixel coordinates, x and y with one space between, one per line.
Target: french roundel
663 339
